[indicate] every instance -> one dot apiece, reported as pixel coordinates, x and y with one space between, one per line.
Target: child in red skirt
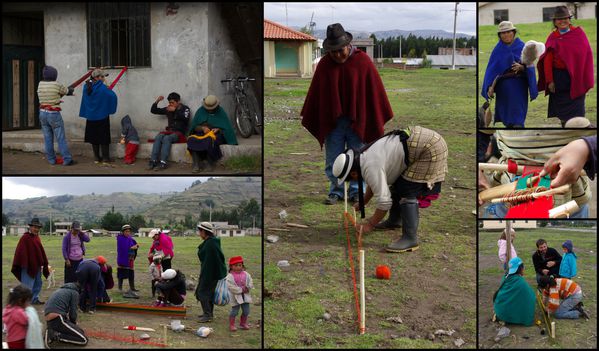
130 138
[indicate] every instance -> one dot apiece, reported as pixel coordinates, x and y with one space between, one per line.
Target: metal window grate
118 34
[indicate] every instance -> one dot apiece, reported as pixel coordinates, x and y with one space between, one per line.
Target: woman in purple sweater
73 251
126 251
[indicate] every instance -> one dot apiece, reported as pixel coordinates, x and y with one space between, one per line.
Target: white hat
505 26
343 164
577 122
169 274
207 226
154 232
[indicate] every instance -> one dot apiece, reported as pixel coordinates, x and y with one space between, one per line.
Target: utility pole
400 48
286 16
210 220
455 18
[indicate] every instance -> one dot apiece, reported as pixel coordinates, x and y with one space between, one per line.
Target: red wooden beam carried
78 81
117 78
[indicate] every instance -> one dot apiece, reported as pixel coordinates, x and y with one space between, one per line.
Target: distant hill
425 33
224 192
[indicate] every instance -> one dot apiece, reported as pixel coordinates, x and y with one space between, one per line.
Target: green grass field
319 280
537 109
569 333
186 260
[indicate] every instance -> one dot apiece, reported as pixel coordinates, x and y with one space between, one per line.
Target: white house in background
500 224
61 228
225 229
444 61
15 230
95 232
491 13
253 231
3 230
143 232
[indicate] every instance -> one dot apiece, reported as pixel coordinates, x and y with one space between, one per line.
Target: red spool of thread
383 272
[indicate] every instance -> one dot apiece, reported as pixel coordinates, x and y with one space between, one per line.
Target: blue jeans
566 308
162 146
336 142
245 310
53 126
33 283
500 210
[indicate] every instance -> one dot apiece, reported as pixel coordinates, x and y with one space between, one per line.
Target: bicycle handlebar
244 79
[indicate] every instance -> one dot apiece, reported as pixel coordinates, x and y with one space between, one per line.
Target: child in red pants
130 138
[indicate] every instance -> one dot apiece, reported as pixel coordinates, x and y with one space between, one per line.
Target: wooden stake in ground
362 296
508 242
345 194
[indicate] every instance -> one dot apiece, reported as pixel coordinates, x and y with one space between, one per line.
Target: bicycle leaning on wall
248 119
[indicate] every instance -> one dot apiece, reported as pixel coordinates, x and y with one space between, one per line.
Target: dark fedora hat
36 222
561 12
337 37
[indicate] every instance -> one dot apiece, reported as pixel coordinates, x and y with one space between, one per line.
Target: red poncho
352 89
30 253
574 50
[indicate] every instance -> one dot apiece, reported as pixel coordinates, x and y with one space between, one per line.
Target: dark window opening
548 13
500 15
118 34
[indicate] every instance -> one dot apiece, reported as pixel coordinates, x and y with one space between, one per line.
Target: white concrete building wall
528 12
191 52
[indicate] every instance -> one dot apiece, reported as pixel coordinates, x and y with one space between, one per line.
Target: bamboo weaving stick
559 190
362 296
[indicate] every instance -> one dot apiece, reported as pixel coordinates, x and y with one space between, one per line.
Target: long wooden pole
508 242
362 296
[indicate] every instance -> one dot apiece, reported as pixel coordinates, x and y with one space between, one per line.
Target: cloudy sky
27 187
372 16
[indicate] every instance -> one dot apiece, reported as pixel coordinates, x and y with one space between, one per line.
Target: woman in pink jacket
162 243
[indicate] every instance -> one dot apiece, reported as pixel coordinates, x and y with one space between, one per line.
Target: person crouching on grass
171 289
403 171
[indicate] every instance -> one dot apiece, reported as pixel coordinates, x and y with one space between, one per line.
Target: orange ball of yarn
383 272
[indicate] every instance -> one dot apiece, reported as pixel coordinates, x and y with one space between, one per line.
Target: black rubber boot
120 284
106 153
207 307
132 281
393 221
409 220
96 149
196 162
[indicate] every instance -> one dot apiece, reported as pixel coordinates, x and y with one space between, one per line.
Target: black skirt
98 132
403 188
208 147
561 105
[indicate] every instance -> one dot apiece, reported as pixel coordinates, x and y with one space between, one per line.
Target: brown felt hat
337 37
561 12
35 222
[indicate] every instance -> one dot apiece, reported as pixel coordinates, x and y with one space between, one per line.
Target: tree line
413 46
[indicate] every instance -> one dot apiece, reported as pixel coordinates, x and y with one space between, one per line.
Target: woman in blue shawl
509 79
514 301
97 104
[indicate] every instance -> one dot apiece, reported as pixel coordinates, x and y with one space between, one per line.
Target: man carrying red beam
49 92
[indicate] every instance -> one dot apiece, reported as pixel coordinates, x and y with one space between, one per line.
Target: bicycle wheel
243 120
256 114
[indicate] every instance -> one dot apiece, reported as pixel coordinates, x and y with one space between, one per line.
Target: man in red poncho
30 261
346 104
